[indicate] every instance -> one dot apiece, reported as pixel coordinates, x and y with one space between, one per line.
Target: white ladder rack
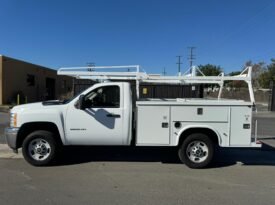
105 73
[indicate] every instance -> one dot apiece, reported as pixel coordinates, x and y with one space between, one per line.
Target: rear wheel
39 148
196 150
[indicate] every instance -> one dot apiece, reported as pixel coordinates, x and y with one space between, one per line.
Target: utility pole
90 64
191 56
164 72
179 63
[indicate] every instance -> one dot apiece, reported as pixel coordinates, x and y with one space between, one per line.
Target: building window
30 80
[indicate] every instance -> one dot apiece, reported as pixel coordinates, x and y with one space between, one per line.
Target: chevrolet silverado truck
106 114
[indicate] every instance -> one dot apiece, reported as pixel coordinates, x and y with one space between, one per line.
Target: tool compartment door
153 125
241 118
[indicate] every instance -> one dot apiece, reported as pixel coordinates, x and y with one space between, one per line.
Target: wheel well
207 131
28 128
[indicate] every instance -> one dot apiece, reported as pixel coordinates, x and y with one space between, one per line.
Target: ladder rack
105 73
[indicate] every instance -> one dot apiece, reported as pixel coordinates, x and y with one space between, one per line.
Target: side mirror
81 102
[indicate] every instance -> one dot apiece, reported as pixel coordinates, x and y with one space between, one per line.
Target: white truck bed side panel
232 124
153 125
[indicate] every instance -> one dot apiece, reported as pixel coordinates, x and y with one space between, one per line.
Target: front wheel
196 150
39 148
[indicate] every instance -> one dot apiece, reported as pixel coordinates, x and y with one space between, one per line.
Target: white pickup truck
104 115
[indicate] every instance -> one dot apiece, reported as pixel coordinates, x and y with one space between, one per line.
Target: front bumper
11 137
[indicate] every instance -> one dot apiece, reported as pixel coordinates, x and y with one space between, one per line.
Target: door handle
113 115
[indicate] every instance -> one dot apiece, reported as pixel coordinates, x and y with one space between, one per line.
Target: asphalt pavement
4 122
105 175
141 175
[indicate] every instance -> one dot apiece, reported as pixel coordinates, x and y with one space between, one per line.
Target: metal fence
170 91
152 90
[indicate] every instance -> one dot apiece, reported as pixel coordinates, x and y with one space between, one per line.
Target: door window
106 96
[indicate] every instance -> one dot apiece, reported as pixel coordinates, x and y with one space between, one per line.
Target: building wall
30 81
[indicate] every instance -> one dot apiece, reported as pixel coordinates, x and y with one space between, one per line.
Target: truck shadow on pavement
223 157
264 156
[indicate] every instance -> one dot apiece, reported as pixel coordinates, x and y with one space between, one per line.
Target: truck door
100 123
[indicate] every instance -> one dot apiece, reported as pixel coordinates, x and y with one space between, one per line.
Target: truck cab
101 115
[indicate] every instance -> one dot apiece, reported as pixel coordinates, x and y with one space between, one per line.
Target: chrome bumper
11 137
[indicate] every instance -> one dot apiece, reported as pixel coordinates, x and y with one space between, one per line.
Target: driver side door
100 121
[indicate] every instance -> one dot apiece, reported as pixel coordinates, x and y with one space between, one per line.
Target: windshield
65 101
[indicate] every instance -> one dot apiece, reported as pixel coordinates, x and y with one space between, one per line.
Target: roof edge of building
28 62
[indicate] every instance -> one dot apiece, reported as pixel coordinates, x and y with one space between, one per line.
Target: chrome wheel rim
197 151
39 149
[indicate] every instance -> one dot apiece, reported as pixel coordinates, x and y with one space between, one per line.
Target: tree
209 70
235 84
268 75
257 70
264 80
233 73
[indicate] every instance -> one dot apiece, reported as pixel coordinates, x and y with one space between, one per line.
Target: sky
150 33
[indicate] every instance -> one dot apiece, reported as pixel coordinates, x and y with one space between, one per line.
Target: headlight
13 120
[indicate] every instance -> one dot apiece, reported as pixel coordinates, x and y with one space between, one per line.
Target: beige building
32 82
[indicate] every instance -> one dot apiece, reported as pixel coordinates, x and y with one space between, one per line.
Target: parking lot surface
140 176
136 175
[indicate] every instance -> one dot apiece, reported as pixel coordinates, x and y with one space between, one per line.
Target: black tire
46 141
204 143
